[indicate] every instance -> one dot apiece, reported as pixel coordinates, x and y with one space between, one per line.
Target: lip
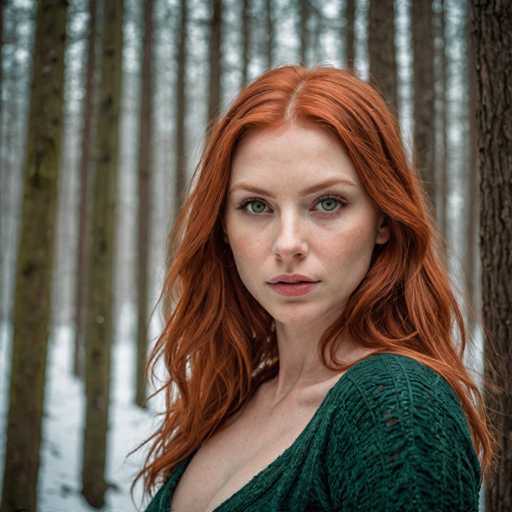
292 278
293 289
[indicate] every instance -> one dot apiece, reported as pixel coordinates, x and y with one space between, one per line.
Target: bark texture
423 100
83 208
492 25
246 41
181 107
442 123
2 10
31 316
304 35
145 165
349 35
472 192
99 332
269 33
215 60
382 51
3 165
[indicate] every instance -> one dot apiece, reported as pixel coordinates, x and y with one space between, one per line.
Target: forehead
294 152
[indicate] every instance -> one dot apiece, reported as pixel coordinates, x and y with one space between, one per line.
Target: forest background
104 109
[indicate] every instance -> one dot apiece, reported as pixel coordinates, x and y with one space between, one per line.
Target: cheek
349 252
246 247
248 254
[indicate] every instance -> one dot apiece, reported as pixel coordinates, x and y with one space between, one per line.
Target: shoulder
387 381
400 439
391 366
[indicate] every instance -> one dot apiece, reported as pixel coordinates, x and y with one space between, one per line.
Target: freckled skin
292 233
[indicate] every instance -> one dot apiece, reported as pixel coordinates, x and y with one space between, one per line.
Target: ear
383 230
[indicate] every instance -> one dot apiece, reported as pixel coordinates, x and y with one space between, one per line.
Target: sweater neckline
251 487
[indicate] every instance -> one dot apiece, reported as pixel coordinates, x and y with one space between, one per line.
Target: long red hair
218 344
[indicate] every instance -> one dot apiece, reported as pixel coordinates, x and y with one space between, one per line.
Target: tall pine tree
85 168
35 259
492 25
423 93
180 145
382 51
99 324
145 164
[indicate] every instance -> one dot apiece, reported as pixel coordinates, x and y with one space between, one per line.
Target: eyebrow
309 190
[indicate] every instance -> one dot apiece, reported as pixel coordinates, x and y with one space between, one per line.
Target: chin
296 313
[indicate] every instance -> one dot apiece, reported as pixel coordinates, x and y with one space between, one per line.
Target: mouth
294 289
294 282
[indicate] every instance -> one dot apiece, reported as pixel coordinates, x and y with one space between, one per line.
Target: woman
309 319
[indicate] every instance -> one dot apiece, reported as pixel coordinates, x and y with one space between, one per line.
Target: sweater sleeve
400 442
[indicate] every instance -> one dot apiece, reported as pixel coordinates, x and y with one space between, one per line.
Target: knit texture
390 435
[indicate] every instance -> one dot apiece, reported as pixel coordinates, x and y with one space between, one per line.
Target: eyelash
340 200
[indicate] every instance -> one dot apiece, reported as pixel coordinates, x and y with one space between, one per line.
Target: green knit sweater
390 435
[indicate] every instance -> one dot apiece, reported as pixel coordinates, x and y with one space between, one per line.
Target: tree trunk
318 29
473 199
181 108
2 171
35 259
215 61
492 25
350 44
246 41
269 33
146 144
441 118
3 166
84 166
98 342
304 36
382 51
423 102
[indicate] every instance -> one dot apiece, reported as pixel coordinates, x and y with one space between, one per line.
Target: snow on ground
59 480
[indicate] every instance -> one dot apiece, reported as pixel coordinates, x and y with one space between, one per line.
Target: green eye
332 201
331 204
260 206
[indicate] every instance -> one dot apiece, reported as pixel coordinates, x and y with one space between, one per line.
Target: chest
227 461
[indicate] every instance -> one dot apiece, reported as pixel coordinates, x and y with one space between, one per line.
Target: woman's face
295 206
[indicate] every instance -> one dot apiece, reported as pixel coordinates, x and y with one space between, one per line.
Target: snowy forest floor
59 477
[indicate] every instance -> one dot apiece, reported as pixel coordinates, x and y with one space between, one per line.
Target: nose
290 241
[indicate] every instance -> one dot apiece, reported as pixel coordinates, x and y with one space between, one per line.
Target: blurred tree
83 208
318 29
492 25
441 118
269 33
423 94
215 60
382 51
2 9
303 30
145 164
98 328
35 259
181 106
246 35
349 33
3 166
472 193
